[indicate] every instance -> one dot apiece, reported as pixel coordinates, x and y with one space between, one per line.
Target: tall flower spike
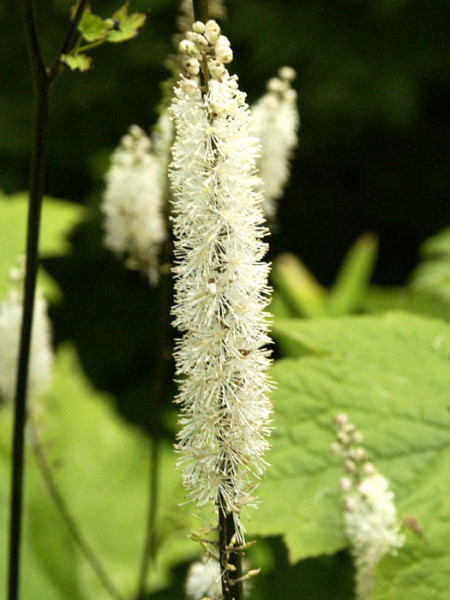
220 280
41 353
370 516
275 123
132 204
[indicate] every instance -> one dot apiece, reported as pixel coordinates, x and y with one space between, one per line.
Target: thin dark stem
37 176
63 510
42 82
161 377
230 559
201 12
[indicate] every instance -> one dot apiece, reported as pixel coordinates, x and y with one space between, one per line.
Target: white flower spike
132 204
275 123
41 353
220 286
370 516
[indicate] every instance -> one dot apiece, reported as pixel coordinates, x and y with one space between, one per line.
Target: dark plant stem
160 380
64 512
201 12
230 559
42 79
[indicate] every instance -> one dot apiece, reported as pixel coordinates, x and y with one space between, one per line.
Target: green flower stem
42 79
90 46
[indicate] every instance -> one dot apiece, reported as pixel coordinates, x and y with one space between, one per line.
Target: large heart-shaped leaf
391 375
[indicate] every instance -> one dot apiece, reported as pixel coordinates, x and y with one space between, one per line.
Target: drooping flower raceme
220 279
132 204
203 580
41 353
275 122
371 521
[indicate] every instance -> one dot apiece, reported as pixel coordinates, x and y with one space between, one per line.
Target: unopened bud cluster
41 352
370 515
220 280
132 204
275 123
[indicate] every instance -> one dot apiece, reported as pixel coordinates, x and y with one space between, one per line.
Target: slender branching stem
42 79
160 380
64 512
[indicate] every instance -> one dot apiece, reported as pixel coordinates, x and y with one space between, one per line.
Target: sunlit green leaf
78 62
391 376
58 218
101 466
93 27
127 26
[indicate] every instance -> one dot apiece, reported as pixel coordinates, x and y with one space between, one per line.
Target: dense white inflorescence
275 121
41 353
132 205
220 280
371 521
203 580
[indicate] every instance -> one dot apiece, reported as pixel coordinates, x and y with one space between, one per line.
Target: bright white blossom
371 521
41 353
203 580
220 286
132 204
275 122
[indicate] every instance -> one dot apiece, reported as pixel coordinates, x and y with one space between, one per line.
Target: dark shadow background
374 91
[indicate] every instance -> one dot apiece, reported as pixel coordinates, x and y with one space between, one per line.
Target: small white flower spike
220 288
132 204
203 580
275 123
371 521
41 353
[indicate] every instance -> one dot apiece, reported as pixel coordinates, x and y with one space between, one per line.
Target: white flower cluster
275 121
220 280
132 204
203 580
370 516
41 353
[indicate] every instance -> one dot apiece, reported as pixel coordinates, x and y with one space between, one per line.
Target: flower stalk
220 292
43 78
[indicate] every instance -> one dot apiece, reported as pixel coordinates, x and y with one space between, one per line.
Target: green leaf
298 287
353 277
58 218
93 27
391 376
38 581
433 274
101 466
127 26
80 62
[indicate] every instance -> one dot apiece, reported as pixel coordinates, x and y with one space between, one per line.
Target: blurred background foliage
374 91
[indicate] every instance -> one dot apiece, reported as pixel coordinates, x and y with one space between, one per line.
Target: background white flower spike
41 354
133 203
371 521
275 121
220 283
